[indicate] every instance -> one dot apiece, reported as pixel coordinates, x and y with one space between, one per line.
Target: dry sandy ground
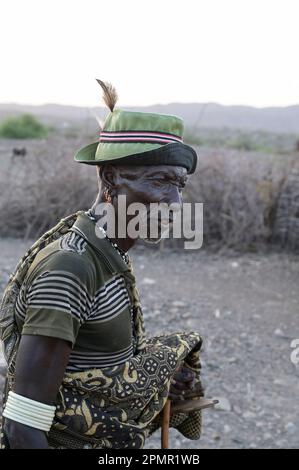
246 308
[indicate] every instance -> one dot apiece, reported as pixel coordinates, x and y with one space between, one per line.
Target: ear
108 174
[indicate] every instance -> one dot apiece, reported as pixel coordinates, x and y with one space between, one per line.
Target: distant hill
206 115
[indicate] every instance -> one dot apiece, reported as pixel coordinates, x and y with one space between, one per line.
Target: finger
175 398
178 385
188 373
191 385
182 382
189 380
183 376
176 391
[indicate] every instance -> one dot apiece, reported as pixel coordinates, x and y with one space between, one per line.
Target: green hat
136 138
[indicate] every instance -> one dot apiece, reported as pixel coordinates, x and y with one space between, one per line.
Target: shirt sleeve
58 302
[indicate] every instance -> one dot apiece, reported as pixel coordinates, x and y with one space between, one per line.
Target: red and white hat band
138 136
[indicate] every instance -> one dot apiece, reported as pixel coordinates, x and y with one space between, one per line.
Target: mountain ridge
208 115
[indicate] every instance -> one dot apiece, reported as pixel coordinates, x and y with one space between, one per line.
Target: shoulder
63 264
73 243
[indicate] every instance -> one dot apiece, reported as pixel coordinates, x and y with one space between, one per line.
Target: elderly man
81 371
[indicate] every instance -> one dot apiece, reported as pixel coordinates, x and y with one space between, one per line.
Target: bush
25 126
37 191
251 199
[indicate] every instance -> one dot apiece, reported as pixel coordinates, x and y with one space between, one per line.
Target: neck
112 218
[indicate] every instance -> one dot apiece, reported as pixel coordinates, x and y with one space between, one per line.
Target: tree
25 126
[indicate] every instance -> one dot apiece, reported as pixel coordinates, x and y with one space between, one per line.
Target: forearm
40 366
21 436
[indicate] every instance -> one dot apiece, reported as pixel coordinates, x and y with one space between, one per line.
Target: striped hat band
138 136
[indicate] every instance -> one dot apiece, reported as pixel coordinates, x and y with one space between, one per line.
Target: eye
158 181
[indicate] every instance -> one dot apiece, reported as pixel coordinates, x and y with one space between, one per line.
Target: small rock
216 436
249 415
217 313
178 304
148 281
223 405
232 359
278 332
234 264
237 441
177 443
290 428
173 310
237 410
227 429
280 382
186 315
249 393
281 444
259 424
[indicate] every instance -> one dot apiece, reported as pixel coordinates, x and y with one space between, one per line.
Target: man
85 375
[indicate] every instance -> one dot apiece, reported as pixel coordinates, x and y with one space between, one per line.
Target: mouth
158 224
162 227
161 221
159 217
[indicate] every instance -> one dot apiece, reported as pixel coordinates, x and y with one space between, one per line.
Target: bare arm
40 368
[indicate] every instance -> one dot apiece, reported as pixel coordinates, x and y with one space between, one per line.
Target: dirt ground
246 308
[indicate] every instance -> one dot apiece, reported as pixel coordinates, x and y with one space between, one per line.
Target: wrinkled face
147 184
151 184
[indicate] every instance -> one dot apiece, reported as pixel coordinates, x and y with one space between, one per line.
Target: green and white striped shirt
75 290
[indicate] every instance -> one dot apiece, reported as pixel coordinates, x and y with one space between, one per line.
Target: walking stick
165 425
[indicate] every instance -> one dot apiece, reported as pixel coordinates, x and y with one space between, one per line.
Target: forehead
156 170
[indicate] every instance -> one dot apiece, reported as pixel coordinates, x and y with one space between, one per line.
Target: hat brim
177 154
87 154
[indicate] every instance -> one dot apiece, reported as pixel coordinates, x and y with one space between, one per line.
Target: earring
107 195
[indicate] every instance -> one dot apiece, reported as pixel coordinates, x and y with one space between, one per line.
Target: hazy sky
158 51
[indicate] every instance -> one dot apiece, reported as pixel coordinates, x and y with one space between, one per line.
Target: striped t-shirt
75 290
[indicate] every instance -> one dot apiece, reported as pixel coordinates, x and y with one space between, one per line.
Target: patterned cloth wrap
116 407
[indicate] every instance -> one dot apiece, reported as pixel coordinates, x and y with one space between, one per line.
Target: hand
20 436
184 379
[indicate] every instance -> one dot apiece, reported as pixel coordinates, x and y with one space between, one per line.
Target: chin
152 241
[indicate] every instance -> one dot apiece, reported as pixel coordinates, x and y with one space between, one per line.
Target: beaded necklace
124 255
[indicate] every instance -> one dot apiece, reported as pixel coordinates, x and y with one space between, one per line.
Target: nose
174 196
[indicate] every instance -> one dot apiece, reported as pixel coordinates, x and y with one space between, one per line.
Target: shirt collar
87 229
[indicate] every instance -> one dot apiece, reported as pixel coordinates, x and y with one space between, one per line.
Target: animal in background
19 152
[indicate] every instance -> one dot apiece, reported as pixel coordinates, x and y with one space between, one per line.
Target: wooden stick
165 425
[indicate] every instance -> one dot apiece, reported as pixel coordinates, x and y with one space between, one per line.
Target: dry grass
241 192
250 199
42 187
